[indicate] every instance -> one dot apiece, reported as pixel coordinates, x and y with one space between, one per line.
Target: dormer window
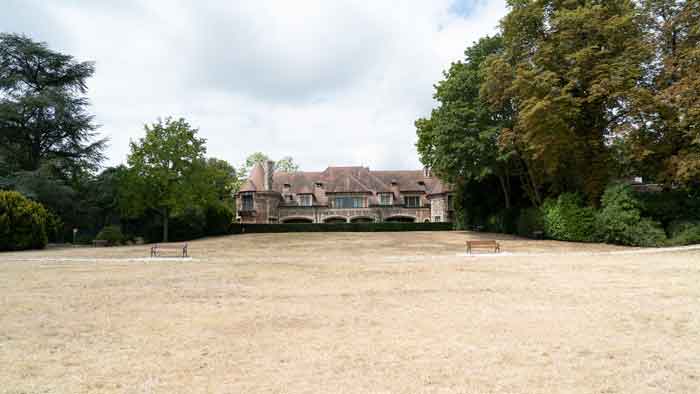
305 200
421 183
412 201
386 198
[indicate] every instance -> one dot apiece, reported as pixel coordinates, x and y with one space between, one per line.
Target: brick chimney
269 167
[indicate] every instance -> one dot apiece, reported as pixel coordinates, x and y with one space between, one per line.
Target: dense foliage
620 220
168 174
219 218
568 219
23 222
569 98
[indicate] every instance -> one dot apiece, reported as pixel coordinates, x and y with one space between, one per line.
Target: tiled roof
256 181
348 180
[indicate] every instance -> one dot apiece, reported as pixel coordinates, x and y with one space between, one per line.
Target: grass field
351 313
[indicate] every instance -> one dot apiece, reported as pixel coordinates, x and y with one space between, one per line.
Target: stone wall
438 209
265 207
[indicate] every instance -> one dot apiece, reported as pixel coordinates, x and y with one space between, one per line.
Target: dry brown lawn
351 313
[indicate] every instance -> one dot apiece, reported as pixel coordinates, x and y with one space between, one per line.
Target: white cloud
327 82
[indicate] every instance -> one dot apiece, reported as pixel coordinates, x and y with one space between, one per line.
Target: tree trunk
166 214
533 185
504 187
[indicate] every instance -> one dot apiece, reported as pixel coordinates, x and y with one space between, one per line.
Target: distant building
343 194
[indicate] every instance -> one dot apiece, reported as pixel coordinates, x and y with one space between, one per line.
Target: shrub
649 233
530 222
112 234
567 219
620 220
670 206
22 222
680 226
218 219
684 233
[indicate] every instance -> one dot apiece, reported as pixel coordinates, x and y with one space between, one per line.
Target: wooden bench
486 244
180 248
100 242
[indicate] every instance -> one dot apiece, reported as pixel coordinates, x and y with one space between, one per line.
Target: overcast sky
328 82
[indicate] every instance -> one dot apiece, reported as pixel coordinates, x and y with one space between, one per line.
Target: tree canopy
460 139
43 109
167 171
569 97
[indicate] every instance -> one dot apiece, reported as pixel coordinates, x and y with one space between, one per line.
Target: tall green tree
460 139
43 109
223 177
569 70
664 138
167 172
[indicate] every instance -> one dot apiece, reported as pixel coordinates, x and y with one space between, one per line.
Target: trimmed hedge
239 228
22 222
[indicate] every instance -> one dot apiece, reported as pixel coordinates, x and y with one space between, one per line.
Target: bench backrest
170 246
480 243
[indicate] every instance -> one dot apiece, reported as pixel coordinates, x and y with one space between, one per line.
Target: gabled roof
348 180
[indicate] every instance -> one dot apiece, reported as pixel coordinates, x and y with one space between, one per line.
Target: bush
239 228
620 220
648 233
678 227
22 222
567 219
530 222
112 234
684 233
670 206
218 219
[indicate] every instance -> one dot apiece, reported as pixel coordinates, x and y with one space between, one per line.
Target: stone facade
343 194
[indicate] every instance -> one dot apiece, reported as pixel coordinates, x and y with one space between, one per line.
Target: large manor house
341 195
